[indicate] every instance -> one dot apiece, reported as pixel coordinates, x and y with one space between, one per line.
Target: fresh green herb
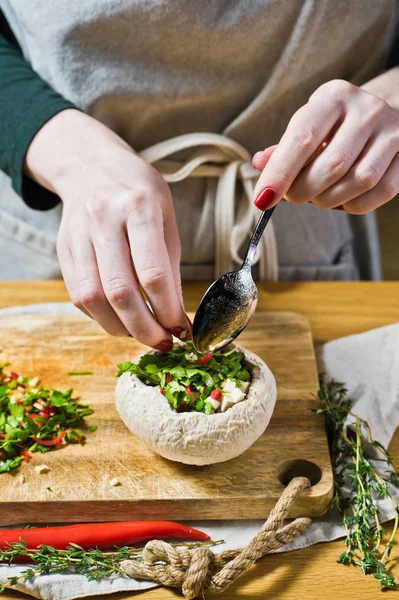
358 485
35 418
80 373
95 565
187 378
49 490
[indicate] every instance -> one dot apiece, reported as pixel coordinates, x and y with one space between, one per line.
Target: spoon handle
257 234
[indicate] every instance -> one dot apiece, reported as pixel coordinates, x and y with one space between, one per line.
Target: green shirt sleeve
26 104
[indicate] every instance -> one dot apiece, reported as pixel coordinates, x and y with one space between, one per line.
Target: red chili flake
45 413
188 390
205 359
163 391
26 454
55 441
14 375
168 378
215 394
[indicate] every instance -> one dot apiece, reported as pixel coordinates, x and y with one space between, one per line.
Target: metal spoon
229 302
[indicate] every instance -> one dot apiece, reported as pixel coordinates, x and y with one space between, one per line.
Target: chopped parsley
186 378
35 418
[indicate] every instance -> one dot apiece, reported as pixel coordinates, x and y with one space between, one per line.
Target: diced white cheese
226 403
214 403
20 379
244 386
191 357
33 382
42 469
228 386
114 482
237 395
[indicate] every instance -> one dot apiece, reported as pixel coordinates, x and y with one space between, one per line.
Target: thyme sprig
95 564
357 485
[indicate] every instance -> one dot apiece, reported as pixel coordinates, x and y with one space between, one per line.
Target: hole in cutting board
299 468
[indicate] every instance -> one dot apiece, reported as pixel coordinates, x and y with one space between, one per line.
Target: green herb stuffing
35 418
188 378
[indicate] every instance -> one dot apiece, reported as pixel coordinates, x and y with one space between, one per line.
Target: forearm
26 104
385 86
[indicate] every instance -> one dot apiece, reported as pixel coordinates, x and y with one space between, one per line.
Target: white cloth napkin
367 363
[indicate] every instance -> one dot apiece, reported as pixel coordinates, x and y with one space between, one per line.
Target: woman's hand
118 230
339 151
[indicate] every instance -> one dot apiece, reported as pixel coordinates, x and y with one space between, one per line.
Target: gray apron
152 70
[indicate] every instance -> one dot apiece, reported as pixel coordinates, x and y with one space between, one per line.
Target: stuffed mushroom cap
193 437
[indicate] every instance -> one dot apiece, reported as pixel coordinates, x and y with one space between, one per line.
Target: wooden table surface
334 309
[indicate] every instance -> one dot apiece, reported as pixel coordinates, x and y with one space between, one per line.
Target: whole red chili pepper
103 536
202 361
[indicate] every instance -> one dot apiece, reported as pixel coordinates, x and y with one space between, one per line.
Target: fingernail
178 332
339 207
265 198
164 346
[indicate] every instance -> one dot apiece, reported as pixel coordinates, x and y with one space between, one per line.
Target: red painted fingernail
339 207
178 331
265 198
164 346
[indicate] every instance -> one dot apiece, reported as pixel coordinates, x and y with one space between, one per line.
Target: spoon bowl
225 310
229 302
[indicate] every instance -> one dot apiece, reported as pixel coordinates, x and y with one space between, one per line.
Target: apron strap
218 156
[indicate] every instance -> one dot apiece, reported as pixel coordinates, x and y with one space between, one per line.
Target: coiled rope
199 571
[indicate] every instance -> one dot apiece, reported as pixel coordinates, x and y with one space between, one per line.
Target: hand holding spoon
230 302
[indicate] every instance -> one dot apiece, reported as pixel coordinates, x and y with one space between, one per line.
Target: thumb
262 157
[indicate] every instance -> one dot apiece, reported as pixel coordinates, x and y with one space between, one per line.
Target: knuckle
307 138
116 331
367 178
319 201
282 173
143 335
338 164
86 296
376 108
118 292
96 208
339 88
356 207
152 278
388 187
297 196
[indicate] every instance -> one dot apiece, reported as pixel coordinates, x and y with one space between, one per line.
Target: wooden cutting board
150 486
